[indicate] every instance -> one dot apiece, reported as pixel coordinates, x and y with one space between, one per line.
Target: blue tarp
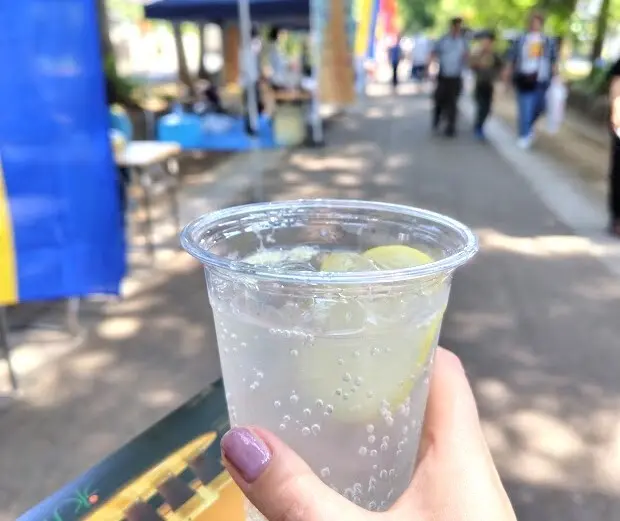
192 133
222 10
61 181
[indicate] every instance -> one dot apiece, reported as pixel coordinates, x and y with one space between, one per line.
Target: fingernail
456 363
246 452
451 359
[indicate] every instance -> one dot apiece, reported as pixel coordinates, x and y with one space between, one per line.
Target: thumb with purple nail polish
278 482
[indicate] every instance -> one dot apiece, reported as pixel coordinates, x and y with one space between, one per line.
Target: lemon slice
396 257
366 370
428 342
365 377
346 261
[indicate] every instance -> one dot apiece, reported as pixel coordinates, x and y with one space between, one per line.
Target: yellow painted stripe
8 272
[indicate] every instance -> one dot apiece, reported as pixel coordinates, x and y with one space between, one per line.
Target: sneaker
532 137
479 134
525 143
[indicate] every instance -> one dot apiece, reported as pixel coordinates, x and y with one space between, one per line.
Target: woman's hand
615 114
455 479
615 118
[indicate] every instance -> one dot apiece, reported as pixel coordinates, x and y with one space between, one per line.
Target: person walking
395 53
419 57
278 64
452 53
486 64
614 167
532 63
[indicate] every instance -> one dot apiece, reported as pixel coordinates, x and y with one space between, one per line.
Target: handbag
556 105
525 82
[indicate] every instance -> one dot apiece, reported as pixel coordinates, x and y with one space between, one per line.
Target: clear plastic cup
335 363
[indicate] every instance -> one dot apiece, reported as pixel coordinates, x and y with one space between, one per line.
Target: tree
559 15
118 90
104 29
506 14
601 30
184 75
202 72
417 15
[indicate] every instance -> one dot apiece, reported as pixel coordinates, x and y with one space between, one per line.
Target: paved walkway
580 143
534 318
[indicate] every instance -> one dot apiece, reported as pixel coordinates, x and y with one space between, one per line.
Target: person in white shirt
277 61
531 65
419 57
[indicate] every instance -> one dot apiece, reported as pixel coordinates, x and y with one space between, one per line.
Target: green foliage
417 15
124 10
292 44
596 84
120 90
559 15
505 14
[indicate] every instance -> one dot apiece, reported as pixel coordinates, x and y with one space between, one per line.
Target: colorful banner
372 30
61 231
388 18
363 16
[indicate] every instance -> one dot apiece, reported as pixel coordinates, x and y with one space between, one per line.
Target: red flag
388 17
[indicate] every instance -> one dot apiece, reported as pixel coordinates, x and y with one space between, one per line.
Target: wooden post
337 78
232 44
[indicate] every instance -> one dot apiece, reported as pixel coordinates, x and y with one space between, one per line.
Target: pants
259 103
614 180
213 97
446 99
124 179
530 104
418 72
395 74
484 101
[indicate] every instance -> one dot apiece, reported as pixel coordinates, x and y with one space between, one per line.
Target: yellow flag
8 278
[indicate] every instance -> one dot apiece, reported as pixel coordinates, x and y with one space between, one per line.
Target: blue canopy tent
186 129
282 12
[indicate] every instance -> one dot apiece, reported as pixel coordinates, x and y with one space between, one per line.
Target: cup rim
265 273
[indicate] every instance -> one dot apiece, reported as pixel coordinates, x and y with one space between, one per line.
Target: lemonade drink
327 316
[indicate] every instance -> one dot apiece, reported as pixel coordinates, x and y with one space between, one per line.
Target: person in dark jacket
395 53
532 63
486 64
614 167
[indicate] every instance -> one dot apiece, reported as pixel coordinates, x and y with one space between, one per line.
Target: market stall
229 133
